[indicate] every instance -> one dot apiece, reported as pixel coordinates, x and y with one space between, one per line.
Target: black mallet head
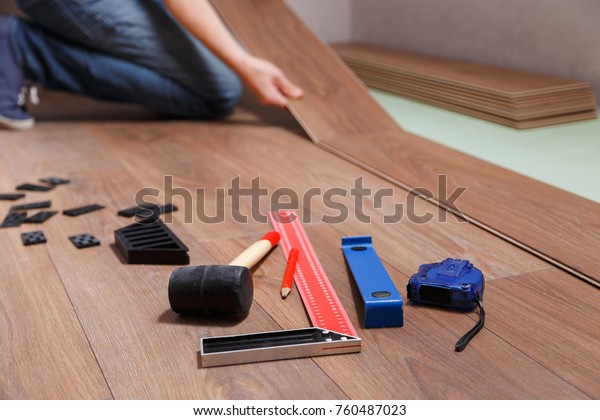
211 290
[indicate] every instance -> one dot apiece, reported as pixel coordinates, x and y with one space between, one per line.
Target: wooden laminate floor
82 324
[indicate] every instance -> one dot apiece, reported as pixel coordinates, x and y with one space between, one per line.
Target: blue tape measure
452 283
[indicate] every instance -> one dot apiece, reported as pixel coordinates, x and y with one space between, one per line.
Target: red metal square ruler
332 331
321 302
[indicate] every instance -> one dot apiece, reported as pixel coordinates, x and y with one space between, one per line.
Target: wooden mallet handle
255 252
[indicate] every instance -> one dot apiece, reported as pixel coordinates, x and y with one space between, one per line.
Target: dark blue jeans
122 50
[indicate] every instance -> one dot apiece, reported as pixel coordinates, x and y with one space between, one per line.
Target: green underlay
566 156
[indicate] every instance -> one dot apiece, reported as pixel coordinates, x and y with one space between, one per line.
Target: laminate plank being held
340 116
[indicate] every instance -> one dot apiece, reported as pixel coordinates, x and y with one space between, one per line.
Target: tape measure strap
320 300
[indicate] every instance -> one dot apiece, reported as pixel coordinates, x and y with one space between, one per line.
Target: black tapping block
11 197
211 290
32 238
147 210
40 217
31 206
13 220
34 187
150 241
82 210
52 180
85 240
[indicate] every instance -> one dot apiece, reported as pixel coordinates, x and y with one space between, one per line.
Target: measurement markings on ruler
323 305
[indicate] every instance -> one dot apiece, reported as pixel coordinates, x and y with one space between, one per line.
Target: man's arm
265 79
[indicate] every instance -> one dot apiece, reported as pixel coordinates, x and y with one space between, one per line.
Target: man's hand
267 81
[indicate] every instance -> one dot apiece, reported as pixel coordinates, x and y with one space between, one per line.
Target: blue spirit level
383 303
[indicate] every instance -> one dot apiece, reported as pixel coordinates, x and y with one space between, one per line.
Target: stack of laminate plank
514 98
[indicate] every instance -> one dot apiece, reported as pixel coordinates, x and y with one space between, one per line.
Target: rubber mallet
219 289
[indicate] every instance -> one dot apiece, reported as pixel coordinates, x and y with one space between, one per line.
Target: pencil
288 277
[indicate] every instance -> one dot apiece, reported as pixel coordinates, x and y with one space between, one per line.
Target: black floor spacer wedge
147 210
150 241
14 220
11 197
34 187
85 240
83 210
52 180
32 206
32 238
40 217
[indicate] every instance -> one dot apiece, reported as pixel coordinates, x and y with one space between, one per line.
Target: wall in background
550 36
331 19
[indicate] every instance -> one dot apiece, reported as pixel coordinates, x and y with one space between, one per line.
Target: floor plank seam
538 254
80 324
534 252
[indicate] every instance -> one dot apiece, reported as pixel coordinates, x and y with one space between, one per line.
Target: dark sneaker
12 84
